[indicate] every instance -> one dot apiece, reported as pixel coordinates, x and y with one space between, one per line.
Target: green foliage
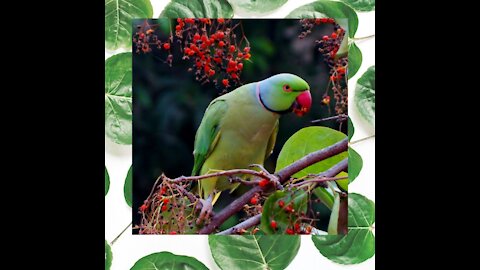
354 59
118 98
118 21
328 9
351 129
361 5
308 140
359 244
198 9
108 256
365 95
253 252
297 200
127 188
343 183
325 196
255 7
107 181
355 164
167 260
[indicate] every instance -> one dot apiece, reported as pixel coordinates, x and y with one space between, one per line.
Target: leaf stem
363 38
363 139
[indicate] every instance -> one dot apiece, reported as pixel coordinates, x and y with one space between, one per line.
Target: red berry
231 48
196 37
289 209
164 208
225 82
330 20
323 20
334 35
326 100
247 56
240 66
273 224
173 232
166 46
254 200
163 190
325 38
220 35
234 76
341 70
289 231
190 20
333 78
297 227
178 27
221 43
263 182
179 20
143 208
332 54
220 20
240 55
232 64
166 200
246 49
217 60
318 21
142 35
211 72
281 203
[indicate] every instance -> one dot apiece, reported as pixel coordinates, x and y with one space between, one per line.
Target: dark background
169 103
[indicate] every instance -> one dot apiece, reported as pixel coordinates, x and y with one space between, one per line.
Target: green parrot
240 128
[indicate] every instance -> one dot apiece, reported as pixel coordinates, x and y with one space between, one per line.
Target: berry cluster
210 44
296 221
328 46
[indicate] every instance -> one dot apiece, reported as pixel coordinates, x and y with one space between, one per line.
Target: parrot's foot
207 209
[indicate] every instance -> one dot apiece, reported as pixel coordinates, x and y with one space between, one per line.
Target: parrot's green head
283 93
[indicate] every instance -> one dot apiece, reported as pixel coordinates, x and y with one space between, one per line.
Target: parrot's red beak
303 103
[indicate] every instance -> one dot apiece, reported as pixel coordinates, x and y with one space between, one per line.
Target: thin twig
363 38
118 236
364 139
283 175
250 222
222 173
318 180
340 117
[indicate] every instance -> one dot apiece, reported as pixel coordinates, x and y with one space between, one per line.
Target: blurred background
169 103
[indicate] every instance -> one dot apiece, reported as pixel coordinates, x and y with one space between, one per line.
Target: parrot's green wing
271 141
208 133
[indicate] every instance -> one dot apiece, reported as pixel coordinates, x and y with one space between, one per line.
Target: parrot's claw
207 209
260 166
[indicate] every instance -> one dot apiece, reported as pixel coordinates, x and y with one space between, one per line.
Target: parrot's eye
287 88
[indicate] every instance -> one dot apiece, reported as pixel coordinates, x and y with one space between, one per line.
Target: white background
129 248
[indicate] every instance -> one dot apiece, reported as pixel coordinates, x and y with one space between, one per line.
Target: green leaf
255 7
324 196
343 183
359 244
107 181
338 218
118 21
333 222
108 256
328 9
308 140
365 95
127 188
361 5
198 9
355 164
253 252
354 59
350 129
272 211
118 98
167 260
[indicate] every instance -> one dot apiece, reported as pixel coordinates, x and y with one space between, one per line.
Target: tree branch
283 175
222 173
250 222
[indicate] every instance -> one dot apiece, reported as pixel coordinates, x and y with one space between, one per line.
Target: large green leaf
255 7
359 244
118 21
118 98
272 211
108 256
198 9
355 164
365 95
167 260
253 252
107 181
127 188
354 59
308 140
324 196
351 129
361 5
330 9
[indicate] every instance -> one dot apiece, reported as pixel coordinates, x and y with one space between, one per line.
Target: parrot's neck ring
259 97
